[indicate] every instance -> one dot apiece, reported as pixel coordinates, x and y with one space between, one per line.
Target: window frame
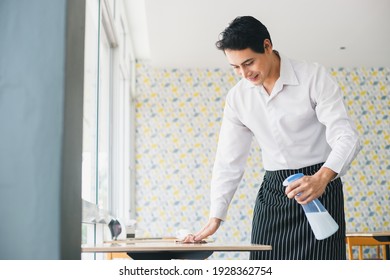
121 181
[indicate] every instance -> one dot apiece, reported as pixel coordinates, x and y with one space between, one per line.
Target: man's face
253 66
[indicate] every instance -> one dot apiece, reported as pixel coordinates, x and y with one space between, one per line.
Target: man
296 113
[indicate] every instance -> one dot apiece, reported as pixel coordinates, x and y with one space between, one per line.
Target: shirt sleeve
341 133
232 152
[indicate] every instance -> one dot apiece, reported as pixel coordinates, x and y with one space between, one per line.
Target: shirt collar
287 73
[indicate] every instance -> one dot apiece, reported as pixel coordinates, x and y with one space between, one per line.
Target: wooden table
166 249
379 238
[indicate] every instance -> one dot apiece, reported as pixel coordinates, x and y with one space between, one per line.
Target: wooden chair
363 239
113 256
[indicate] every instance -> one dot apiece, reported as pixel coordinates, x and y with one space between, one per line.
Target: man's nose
244 72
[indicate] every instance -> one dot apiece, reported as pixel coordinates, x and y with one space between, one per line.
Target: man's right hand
211 227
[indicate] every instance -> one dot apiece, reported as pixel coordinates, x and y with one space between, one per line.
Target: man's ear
267 45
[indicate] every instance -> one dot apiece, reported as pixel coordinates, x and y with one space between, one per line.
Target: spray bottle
321 222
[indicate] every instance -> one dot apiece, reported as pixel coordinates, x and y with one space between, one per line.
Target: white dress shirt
301 123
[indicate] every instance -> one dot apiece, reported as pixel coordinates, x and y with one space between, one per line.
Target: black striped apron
281 222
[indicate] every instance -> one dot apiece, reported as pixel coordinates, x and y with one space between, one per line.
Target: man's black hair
242 33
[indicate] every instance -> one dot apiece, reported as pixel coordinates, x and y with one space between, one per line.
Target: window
106 158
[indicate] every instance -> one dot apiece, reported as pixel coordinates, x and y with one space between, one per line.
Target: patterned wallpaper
178 115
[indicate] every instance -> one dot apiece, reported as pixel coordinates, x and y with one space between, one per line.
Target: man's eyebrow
244 61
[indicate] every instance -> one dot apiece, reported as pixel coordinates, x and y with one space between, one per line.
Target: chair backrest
363 241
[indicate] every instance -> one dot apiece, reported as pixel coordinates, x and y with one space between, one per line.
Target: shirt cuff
218 210
339 162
